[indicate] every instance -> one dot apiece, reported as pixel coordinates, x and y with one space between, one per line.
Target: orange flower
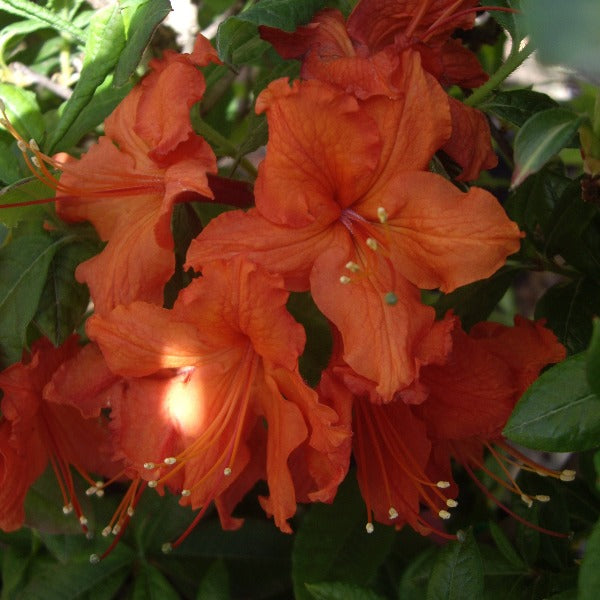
403 450
345 207
127 183
35 431
213 399
361 57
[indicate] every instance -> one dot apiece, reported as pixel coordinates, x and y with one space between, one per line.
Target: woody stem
515 58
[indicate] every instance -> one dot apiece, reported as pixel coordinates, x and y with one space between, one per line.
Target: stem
515 58
213 136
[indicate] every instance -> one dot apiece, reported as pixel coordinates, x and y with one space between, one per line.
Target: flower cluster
205 398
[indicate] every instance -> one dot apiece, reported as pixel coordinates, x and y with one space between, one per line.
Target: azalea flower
361 56
36 431
213 400
403 449
346 208
128 182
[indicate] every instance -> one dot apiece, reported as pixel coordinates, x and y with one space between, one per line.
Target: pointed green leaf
517 106
151 584
593 360
105 41
337 590
457 572
332 544
35 12
559 412
541 137
141 17
505 547
64 301
23 111
24 264
589 574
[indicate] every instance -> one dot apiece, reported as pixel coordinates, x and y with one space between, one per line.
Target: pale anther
130 511
100 493
369 527
33 145
91 491
393 513
153 483
527 500
227 471
372 243
451 503
116 529
443 484
149 465
171 460
352 266
106 531
186 492
83 520
21 145
567 475
344 279
166 547
94 559
382 215
36 162
444 514
68 509
542 498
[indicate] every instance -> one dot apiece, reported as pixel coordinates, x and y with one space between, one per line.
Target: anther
369 527
227 471
186 492
567 475
527 500
444 514
68 509
391 299
352 266
451 503
153 483
100 493
149 466
372 243
542 498
171 460
36 162
83 520
344 279
167 547
130 511
382 215
91 491
106 531
442 484
33 145
393 513
116 529
22 145
94 559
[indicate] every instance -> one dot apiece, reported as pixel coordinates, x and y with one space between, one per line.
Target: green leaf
413 584
517 106
566 33
68 582
559 412
332 544
589 574
15 32
105 42
593 360
541 137
510 21
23 111
505 547
340 591
474 302
215 583
64 301
35 12
569 309
24 264
457 572
151 584
26 190
14 567
142 17
237 36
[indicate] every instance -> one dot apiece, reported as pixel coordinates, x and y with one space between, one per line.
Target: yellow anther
382 215
444 514
369 527
451 503
372 243
344 279
352 266
393 513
